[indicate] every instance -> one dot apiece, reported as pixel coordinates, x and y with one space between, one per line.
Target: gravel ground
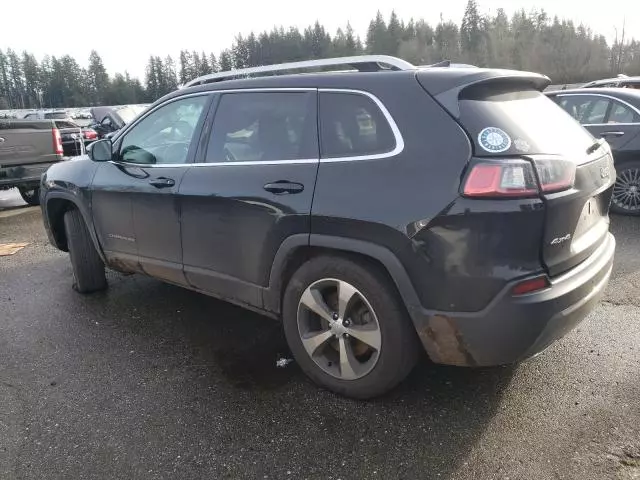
152 381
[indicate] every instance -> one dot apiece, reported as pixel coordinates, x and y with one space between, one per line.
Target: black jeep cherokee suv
373 210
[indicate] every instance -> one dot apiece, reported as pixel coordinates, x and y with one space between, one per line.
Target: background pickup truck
27 149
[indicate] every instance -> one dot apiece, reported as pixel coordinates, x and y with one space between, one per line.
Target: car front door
135 196
251 190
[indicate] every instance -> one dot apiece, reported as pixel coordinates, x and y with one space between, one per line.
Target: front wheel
626 192
88 268
347 327
31 195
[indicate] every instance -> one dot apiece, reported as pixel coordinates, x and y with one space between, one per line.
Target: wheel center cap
633 188
338 329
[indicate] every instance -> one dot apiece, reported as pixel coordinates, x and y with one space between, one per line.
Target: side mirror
100 151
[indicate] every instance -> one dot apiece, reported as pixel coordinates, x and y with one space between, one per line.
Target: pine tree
170 75
16 83
377 35
205 68
98 78
213 63
31 73
186 67
226 61
5 88
395 31
470 34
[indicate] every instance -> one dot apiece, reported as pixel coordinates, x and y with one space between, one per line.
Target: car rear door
251 189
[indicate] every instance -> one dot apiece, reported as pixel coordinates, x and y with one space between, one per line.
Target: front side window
263 126
352 125
164 136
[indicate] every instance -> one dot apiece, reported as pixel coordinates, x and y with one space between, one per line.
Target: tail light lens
510 178
516 178
555 174
57 142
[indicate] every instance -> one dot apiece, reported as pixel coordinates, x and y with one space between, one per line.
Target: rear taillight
57 142
555 174
508 178
516 178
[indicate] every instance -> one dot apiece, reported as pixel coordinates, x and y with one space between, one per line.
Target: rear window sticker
494 140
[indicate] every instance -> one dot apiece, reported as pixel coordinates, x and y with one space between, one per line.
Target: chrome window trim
399 147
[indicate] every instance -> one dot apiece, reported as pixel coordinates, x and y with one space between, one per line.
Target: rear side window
264 126
520 121
352 125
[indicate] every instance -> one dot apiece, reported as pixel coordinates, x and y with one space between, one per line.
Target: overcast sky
126 32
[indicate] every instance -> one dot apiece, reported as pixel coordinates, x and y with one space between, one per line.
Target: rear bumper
510 328
22 175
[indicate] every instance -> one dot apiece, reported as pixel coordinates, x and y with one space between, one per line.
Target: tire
31 196
88 268
626 192
397 341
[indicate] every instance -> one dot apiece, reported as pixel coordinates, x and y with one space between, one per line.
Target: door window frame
193 146
613 100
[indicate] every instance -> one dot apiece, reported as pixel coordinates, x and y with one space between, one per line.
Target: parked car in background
108 120
621 81
612 114
455 209
27 149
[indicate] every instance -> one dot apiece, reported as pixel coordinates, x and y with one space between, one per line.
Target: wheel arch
298 249
56 205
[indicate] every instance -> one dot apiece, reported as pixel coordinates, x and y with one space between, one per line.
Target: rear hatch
510 120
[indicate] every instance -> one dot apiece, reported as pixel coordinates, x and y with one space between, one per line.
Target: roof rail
362 63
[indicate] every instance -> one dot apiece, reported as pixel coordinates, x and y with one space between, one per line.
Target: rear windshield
65 124
56 115
502 121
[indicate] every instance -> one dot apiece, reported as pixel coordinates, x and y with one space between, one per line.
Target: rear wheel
347 327
88 268
626 192
31 195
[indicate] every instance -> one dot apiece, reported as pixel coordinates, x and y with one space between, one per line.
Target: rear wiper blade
595 146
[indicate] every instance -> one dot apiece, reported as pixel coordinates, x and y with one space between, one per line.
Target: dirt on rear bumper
512 329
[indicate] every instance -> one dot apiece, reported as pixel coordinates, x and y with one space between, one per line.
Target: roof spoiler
446 87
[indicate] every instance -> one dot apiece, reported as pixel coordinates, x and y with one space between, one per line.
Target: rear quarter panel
390 201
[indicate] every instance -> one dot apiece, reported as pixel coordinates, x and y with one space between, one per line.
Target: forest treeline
566 52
